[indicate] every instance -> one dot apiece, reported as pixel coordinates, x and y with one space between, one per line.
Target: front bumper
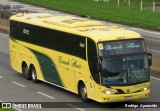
125 97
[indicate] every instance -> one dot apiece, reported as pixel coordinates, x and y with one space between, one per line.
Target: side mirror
149 59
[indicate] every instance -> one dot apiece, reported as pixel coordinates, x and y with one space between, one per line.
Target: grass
107 11
6 109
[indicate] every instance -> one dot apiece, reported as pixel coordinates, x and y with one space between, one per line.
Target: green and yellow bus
84 56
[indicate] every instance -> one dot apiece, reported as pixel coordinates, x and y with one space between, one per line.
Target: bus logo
25 31
124 80
100 46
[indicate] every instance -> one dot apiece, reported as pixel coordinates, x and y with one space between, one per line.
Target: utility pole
118 3
141 5
129 3
153 6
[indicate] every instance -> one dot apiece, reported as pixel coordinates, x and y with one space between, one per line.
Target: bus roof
81 26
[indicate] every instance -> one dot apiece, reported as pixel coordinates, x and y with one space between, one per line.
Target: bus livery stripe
48 68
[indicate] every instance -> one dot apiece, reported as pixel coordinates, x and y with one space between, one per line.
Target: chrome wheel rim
83 92
33 74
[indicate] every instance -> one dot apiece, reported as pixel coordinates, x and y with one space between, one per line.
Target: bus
96 61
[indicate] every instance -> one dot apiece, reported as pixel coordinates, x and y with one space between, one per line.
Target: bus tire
25 71
34 74
83 92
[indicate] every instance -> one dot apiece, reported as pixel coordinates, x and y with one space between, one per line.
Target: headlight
144 89
108 92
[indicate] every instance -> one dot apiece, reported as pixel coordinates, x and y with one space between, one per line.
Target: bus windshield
124 70
123 62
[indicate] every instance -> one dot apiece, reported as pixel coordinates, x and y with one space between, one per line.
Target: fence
153 5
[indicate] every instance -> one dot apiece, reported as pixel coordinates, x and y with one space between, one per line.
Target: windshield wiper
123 72
131 73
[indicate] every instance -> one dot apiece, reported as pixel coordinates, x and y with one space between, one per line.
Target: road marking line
1 77
153 40
46 95
145 31
154 51
4 35
19 84
18 109
76 107
155 78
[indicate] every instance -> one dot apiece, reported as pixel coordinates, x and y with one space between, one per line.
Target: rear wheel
34 74
25 71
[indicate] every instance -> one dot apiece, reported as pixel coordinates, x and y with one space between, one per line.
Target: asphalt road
14 88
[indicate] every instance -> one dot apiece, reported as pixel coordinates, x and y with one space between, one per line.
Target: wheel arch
36 68
30 67
24 63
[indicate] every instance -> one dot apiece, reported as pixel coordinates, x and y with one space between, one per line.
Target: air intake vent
120 91
72 22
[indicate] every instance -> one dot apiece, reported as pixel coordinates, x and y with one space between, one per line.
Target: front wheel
83 93
34 74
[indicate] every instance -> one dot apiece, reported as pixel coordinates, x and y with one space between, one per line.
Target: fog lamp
108 92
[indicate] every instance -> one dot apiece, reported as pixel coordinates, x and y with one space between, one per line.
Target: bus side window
80 47
16 30
92 53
